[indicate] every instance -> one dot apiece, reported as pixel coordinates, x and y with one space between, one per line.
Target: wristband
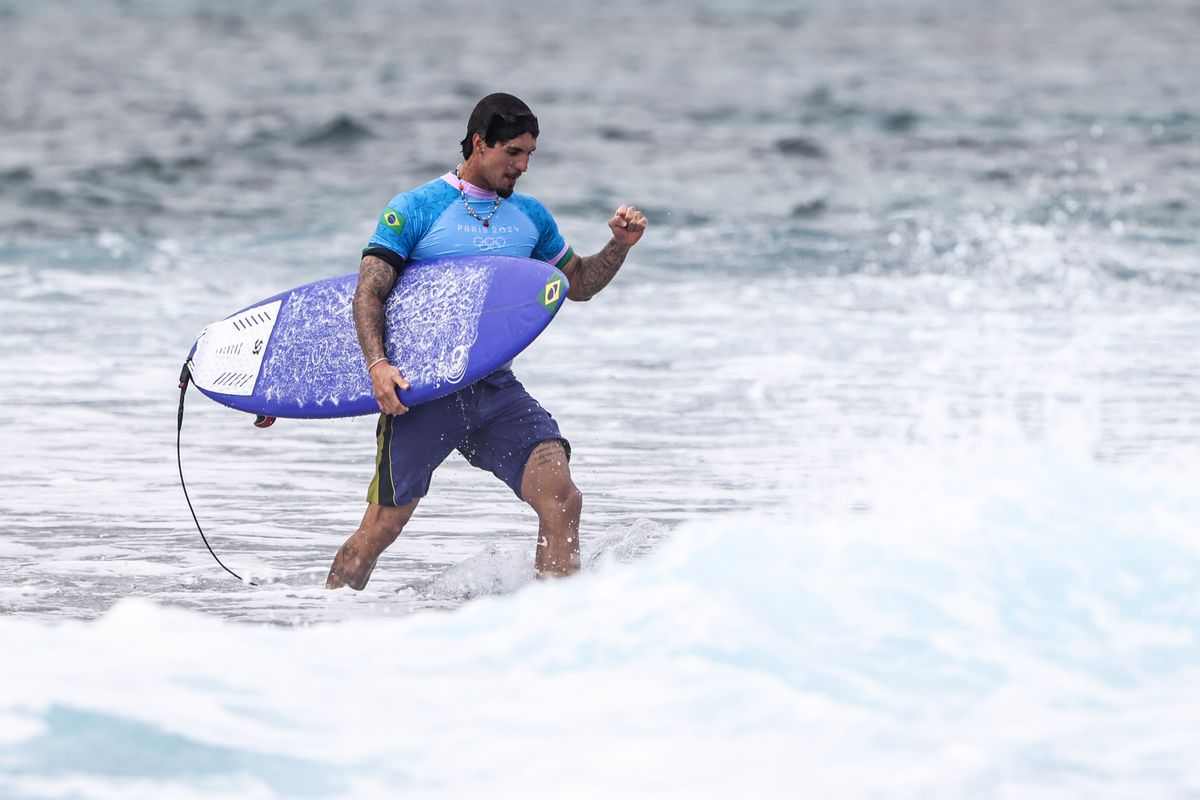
376 361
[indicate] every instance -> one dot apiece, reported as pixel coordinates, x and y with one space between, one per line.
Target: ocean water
889 430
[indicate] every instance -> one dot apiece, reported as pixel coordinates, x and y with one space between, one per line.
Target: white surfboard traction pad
229 353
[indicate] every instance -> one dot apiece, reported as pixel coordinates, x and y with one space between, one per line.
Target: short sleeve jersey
432 221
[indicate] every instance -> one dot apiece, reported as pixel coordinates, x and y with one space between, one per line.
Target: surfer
494 422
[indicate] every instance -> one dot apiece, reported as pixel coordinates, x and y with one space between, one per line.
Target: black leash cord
185 377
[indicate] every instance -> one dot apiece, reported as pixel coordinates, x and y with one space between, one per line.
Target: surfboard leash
185 377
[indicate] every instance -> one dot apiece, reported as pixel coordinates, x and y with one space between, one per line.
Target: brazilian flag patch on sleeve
392 219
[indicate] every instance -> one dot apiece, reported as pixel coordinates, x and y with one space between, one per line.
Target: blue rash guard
431 221
494 422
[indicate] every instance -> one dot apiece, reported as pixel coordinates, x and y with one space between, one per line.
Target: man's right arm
375 281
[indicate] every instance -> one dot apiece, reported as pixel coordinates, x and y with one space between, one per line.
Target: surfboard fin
263 421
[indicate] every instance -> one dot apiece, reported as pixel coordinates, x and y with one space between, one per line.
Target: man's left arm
589 274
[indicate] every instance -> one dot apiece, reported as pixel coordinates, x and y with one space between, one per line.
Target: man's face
501 164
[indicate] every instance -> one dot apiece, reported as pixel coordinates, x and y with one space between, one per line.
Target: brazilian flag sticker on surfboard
551 295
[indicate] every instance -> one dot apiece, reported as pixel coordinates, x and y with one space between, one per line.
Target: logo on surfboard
552 293
456 366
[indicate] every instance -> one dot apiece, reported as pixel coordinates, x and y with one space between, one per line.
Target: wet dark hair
498 118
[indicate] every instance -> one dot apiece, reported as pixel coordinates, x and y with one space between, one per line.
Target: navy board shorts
494 423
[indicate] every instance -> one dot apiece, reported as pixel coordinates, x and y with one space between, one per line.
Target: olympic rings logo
488 243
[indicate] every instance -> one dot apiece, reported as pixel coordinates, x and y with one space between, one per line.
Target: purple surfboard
449 323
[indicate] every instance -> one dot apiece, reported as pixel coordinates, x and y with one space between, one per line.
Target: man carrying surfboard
494 422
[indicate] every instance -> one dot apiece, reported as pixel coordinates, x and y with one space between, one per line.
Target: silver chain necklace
462 192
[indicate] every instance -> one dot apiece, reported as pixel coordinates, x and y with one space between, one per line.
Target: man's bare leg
548 488
356 559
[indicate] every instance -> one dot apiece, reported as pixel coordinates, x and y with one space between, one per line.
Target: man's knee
382 525
560 497
355 560
569 499
391 519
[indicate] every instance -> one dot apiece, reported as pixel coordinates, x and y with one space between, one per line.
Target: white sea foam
1016 623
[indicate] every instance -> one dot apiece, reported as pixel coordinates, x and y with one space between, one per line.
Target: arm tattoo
593 273
375 280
